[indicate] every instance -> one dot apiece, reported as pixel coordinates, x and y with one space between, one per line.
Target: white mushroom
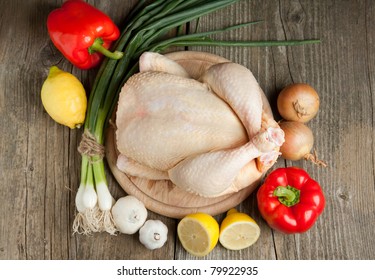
129 214
153 234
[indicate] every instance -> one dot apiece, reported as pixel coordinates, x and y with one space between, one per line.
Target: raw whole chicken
210 135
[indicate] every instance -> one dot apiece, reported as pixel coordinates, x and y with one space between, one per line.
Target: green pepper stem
287 195
97 46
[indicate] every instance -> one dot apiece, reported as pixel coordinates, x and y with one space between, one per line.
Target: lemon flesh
238 231
64 98
198 233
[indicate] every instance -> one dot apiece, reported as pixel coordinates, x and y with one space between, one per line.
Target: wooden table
40 164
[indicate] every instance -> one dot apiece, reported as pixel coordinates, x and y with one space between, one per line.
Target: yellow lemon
198 233
238 231
64 98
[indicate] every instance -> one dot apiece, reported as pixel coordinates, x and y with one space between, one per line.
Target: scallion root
107 224
88 221
80 224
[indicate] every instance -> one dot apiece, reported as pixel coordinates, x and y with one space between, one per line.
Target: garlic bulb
153 234
129 214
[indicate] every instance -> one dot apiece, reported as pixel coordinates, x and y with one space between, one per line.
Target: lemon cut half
198 233
238 231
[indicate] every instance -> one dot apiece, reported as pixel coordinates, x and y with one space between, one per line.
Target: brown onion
298 102
299 140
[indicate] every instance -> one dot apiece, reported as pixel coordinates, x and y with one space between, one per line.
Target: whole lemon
64 98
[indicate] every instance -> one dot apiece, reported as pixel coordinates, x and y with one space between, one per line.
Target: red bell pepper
290 201
82 33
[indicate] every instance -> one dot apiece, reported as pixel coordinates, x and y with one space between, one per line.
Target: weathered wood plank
336 68
40 165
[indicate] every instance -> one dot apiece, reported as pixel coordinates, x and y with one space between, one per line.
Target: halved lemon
238 231
198 233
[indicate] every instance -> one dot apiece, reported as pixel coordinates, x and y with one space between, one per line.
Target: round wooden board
162 196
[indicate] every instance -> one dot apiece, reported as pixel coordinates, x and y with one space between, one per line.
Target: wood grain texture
39 162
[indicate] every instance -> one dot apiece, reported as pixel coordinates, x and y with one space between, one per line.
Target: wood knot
296 15
297 18
344 196
49 55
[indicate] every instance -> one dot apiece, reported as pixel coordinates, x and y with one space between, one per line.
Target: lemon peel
64 98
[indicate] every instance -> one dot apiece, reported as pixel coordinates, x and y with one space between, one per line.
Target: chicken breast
163 118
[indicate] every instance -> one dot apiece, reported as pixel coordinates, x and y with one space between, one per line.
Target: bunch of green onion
147 25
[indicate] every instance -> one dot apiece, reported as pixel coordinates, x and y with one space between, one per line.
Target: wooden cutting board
162 196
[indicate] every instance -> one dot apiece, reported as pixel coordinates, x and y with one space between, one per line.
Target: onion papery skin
298 102
299 140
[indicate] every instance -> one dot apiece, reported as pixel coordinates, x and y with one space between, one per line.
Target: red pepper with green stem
82 33
290 201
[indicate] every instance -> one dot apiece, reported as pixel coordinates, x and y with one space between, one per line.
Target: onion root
314 159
